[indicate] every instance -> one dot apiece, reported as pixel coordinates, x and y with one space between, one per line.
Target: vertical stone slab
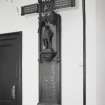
49 59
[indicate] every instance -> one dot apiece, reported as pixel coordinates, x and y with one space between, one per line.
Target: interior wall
72 50
72 55
100 52
91 52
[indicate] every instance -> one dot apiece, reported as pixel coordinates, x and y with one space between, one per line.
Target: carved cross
47 5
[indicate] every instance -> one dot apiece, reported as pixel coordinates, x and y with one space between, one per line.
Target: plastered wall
91 51
100 52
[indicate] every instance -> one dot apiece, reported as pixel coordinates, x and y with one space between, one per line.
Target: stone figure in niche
47 36
47 25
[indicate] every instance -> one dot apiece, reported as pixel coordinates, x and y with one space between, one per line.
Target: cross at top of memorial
46 5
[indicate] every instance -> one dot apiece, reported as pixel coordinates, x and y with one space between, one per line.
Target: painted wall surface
72 55
72 50
91 51
100 52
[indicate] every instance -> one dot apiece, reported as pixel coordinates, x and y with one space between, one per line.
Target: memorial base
47 104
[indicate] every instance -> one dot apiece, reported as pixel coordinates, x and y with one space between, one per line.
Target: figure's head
43 24
40 1
47 27
52 18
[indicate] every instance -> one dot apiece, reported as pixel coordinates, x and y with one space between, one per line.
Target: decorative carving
46 6
47 36
47 31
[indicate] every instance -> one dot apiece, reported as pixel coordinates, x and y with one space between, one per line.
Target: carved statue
47 36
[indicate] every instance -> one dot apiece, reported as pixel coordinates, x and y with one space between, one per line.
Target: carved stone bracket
47 56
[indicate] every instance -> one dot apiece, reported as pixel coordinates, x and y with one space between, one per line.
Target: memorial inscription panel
49 59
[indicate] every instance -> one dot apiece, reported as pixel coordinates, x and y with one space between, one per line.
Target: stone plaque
49 59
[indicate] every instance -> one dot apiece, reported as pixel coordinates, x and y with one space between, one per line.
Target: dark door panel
10 68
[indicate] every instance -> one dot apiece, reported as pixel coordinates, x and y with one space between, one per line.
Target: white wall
72 47
72 63
91 51
100 52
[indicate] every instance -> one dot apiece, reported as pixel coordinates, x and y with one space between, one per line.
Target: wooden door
10 69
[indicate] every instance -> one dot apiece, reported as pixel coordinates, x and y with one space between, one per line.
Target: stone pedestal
48 104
